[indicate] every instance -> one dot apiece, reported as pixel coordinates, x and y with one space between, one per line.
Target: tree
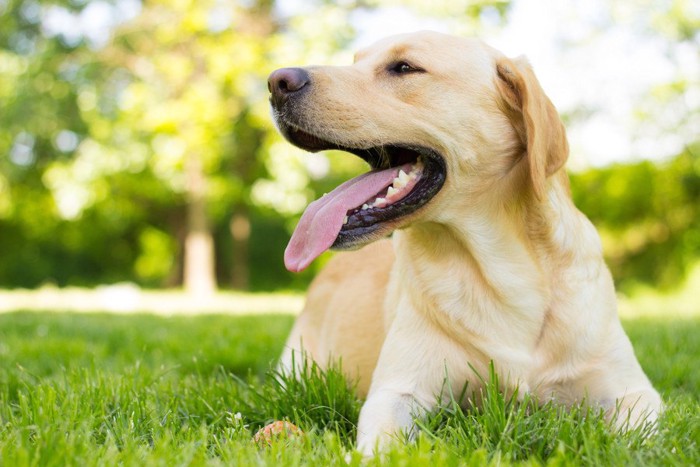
187 102
40 123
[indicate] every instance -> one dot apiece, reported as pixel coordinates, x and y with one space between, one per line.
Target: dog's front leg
407 381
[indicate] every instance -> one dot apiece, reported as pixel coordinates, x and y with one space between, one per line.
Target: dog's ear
535 120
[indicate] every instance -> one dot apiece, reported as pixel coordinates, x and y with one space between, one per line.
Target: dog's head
441 120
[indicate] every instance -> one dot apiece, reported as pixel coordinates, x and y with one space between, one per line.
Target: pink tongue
321 222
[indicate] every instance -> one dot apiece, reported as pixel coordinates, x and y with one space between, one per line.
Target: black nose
285 83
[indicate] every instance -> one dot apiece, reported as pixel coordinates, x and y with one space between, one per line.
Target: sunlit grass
129 298
108 389
681 301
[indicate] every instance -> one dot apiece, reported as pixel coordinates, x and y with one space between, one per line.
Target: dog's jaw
369 207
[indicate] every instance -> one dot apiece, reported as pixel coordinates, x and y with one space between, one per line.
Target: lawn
108 389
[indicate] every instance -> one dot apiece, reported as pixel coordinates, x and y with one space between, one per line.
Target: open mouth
402 180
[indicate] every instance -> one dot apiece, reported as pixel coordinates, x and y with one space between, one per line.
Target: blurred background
137 150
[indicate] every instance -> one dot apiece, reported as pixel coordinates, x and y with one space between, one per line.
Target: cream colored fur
499 267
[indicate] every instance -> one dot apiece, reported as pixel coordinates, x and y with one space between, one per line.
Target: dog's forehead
424 43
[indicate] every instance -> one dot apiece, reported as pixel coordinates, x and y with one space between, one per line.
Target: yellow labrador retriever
490 261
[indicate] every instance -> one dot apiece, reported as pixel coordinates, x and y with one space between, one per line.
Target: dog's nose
286 82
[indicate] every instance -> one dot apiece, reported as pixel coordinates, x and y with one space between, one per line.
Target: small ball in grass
276 430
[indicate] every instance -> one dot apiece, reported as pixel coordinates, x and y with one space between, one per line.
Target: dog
490 262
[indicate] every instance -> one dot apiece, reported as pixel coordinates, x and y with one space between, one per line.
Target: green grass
100 389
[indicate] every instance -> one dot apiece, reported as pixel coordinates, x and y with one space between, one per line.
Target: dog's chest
473 315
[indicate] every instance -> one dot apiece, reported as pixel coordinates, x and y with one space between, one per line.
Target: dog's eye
401 68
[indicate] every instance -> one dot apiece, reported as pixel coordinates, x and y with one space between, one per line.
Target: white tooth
403 176
324 195
400 183
365 206
391 192
380 202
345 221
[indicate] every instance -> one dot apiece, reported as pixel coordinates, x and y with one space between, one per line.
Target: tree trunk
240 235
199 273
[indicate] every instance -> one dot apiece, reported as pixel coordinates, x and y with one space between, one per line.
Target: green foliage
98 389
648 216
